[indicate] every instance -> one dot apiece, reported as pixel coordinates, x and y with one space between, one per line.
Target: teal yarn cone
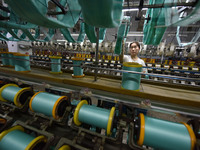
48 104
77 71
12 58
131 81
13 93
16 139
165 135
55 64
94 116
22 62
5 58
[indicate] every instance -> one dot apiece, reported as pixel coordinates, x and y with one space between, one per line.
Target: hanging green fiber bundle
102 13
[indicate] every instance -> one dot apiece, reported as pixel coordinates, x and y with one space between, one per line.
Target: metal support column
96 55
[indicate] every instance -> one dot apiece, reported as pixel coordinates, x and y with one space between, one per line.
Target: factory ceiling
136 9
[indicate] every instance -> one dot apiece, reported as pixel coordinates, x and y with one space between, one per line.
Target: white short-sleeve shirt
127 58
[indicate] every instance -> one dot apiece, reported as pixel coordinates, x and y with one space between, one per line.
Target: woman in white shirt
134 48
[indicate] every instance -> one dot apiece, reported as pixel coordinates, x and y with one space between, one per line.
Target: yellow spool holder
110 120
65 147
132 64
73 76
35 141
55 72
55 57
142 129
19 54
192 135
55 108
78 107
30 103
19 93
78 58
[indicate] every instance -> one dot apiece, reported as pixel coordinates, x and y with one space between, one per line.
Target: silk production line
108 60
89 114
62 92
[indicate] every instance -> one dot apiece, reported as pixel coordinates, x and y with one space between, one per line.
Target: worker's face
134 49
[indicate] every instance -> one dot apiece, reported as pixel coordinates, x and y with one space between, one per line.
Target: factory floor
159 93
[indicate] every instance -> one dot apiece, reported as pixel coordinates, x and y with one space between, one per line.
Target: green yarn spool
15 94
56 64
15 139
131 81
77 71
48 104
165 135
5 59
22 62
94 116
12 58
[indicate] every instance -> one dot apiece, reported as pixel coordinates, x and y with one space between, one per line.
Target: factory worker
134 49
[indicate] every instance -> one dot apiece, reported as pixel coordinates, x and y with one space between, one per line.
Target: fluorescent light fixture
75 34
133 9
61 40
130 34
135 34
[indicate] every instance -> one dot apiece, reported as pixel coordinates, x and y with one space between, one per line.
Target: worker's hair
137 43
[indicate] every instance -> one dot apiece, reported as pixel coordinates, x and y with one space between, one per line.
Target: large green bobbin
94 116
48 104
131 81
15 94
16 139
165 135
